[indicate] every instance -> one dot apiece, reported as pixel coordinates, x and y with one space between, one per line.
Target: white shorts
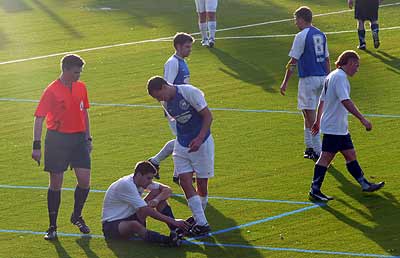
201 162
206 6
309 92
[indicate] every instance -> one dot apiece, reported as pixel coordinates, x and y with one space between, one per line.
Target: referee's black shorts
63 149
335 143
366 10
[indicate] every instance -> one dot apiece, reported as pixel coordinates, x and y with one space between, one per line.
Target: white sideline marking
169 38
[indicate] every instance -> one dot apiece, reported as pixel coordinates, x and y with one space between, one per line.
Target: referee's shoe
80 223
319 196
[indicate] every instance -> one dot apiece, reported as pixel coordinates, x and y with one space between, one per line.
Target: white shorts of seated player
309 92
206 6
201 161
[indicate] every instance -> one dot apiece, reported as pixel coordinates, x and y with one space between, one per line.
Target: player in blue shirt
176 72
310 53
194 145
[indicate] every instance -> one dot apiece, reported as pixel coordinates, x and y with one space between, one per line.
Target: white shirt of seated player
334 118
299 44
123 198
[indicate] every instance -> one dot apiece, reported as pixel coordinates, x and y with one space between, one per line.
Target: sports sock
164 153
361 36
316 140
203 30
204 201
212 27
155 237
80 199
355 170
167 211
375 27
308 138
319 175
195 206
53 204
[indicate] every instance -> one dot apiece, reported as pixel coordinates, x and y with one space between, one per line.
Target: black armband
37 145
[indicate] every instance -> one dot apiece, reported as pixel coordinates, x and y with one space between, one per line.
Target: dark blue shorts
110 229
366 10
334 143
62 150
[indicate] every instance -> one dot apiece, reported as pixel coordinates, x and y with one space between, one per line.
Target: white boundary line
169 38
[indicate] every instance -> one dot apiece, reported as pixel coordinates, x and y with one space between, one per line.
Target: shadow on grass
14 6
62 253
382 213
392 61
84 243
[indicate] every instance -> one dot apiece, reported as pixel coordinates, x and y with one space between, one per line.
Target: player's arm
351 107
327 65
315 127
146 211
206 125
164 193
88 136
290 67
37 136
171 69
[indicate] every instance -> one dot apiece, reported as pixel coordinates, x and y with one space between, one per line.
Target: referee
64 104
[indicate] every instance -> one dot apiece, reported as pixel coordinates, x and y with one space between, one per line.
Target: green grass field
258 154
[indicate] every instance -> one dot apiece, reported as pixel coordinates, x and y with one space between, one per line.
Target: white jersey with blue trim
176 70
310 48
185 109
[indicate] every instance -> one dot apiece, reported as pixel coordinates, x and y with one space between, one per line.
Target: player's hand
350 3
283 89
315 128
182 224
36 155
195 144
89 146
153 203
367 124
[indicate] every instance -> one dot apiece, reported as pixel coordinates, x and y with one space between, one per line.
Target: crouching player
125 211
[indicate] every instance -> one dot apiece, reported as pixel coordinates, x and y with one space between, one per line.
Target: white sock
212 27
308 138
194 204
164 152
204 201
203 30
316 139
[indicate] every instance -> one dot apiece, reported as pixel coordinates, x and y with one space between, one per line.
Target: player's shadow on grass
392 61
245 71
219 221
382 213
84 243
62 253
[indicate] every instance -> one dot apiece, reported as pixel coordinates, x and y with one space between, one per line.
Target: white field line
168 38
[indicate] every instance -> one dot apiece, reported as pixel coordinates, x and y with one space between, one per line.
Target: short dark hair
71 60
181 38
145 167
305 13
155 83
345 57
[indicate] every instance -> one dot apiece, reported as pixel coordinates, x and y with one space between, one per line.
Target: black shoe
362 46
376 39
80 223
198 230
182 232
156 175
175 239
211 43
374 187
308 153
319 196
51 233
314 156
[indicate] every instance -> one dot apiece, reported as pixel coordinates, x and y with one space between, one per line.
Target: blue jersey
184 108
310 48
176 71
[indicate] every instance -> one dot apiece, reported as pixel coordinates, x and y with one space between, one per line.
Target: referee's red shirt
64 108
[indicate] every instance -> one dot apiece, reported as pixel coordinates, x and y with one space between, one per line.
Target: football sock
319 175
212 27
374 27
355 170
195 206
361 36
316 140
164 153
167 211
203 30
80 199
204 201
53 203
155 237
308 138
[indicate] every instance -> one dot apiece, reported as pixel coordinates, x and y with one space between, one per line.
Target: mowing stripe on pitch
213 109
267 248
177 195
170 37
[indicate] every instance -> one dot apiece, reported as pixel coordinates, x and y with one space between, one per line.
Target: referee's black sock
155 237
361 36
53 203
80 199
167 211
319 175
375 27
355 170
